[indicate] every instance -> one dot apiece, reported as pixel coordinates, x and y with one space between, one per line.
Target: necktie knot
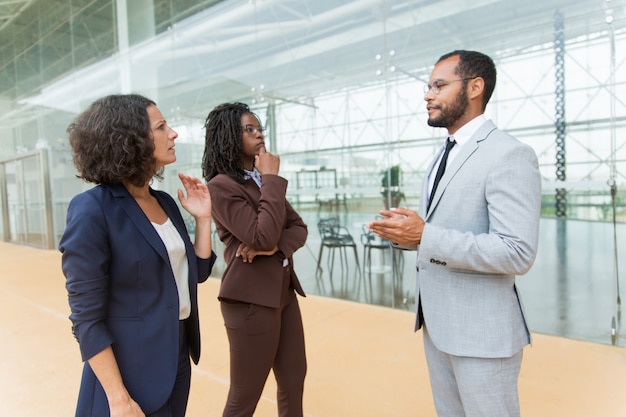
450 143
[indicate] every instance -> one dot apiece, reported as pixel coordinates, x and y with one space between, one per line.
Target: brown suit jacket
262 219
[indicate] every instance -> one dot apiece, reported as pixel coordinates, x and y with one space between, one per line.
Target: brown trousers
263 338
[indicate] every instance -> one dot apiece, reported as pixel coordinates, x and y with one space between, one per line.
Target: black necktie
442 168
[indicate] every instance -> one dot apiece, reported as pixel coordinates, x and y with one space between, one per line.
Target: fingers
245 253
185 180
404 212
189 179
397 213
192 183
392 219
267 163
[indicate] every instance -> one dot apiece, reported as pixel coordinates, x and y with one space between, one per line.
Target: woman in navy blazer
260 231
131 269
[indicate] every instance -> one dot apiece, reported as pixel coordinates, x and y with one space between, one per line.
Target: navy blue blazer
122 292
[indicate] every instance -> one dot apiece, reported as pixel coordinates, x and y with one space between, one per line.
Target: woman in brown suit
260 231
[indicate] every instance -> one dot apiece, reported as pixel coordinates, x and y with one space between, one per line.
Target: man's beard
448 117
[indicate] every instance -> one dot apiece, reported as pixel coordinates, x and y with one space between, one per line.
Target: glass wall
25 198
340 85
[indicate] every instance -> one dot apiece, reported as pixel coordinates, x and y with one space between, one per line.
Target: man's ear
476 87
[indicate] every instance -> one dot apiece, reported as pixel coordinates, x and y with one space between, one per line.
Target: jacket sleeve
85 262
294 235
258 227
508 242
205 266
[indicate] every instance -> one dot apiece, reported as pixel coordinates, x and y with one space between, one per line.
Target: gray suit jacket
482 230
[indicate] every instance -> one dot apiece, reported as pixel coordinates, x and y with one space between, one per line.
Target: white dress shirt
461 137
178 259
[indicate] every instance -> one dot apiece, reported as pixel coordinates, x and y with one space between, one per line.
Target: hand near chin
267 163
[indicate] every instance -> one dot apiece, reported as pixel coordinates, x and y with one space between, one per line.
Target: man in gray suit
478 230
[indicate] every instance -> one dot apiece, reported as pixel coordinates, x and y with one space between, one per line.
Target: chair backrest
330 230
327 227
367 236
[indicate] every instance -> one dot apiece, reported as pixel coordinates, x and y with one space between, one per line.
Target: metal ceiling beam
7 17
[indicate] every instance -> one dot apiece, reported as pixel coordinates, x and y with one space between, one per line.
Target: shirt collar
254 174
465 133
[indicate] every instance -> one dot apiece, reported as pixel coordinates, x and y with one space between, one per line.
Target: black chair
371 241
335 237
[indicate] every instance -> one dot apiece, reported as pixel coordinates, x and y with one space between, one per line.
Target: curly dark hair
475 64
223 141
112 141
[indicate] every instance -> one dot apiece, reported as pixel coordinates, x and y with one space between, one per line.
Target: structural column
271 125
135 23
560 124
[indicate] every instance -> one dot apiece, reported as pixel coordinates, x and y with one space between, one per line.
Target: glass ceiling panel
346 66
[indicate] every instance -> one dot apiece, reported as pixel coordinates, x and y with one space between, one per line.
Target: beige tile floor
363 360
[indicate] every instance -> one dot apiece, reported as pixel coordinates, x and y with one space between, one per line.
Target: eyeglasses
254 129
436 85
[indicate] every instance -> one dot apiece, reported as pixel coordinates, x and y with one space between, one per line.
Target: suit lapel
139 219
455 165
425 193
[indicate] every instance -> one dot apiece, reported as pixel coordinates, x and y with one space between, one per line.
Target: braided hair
223 142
